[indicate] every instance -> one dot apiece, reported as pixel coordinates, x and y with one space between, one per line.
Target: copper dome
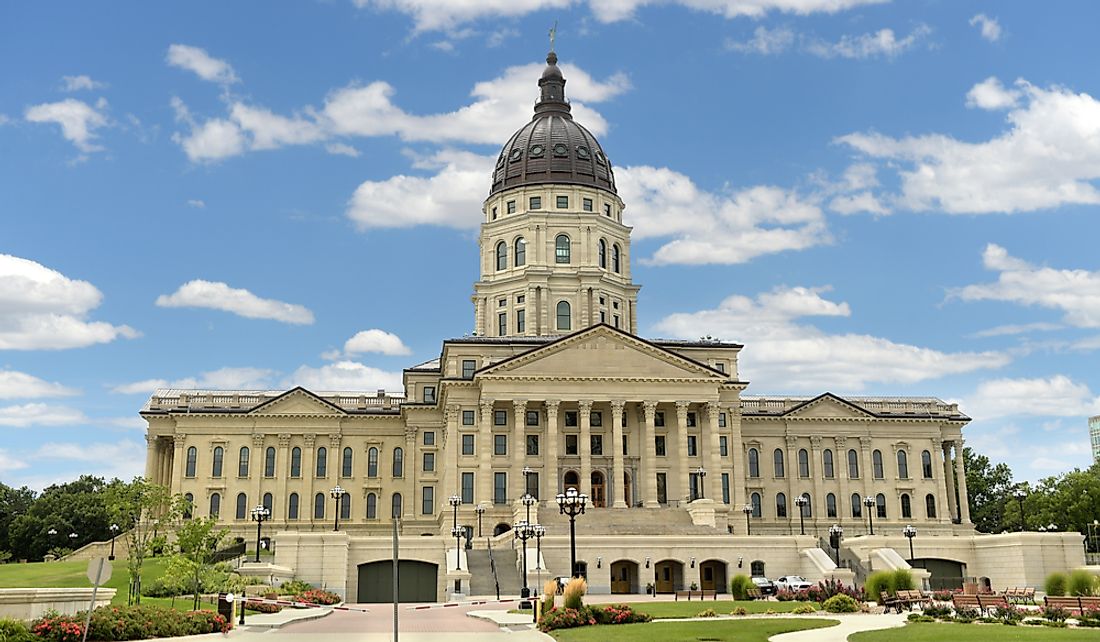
552 148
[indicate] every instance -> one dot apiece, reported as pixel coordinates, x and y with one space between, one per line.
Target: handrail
493 565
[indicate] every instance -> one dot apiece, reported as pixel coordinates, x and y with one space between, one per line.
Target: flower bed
128 623
567 618
317 596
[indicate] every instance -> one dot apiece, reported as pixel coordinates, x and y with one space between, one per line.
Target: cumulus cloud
1048 157
990 28
42 309
202 64
342 149
242 378
78 120
10 463
764 41
216 295
990 94
375 340
784 353
345 376
80 83
1013 329
91 452
882 43
20 385
1056 396
40 414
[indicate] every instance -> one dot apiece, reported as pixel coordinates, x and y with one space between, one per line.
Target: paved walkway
849 624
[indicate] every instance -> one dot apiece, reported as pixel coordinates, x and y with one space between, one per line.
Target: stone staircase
481 573
624 521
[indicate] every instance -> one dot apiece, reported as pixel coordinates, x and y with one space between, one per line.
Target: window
502 303
756 507
372 462
561 249
803 463
467 417
830 505
906 506
720 367
319 506
242 462
520 252
691 420
659 419
429 394
880 505
292 506
532 417
502 256
296 462
626 442
926 464
601 252
693 446
215 505
188 505
467 444
930 506
535 203
242 506
510 207
500 417
467 488
192 461
586 204
564 321
429 462
721 415
725 488
754 463
808 507
615 258
777 462
521 321
322 462
853 465
346 464
269 503
570 444
595 419
615 320
372 506
500 444
532 444
659 444
532 485
781 505
563 202
398 462
607 209
429 438
216 464
723 446
857 505
468 367
494 213
827 463
427 500
345 506
903 465
595 444
662 488
395 506
502 324
500 488
269 462
876 464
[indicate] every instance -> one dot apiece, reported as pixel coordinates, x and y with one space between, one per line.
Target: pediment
828 406
298 401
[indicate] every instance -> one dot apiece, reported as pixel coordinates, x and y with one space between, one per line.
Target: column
943 511
790 468
550 470
714 456
683 486
618 470
484 482
409 505
282 472
448 454
648 472
178 462
739 478
519 447
949 475
309 475
960 472
820 510
840 469
868 472
479 316
256 470
585 446
151 459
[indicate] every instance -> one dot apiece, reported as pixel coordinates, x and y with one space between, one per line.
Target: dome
552 148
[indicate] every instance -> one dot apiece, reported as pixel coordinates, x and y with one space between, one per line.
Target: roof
895 407
169 400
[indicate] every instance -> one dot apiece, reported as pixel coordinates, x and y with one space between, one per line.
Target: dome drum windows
561 150
515 155
502 256
536 151
583 153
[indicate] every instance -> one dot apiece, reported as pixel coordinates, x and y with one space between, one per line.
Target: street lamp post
801 502
480 510
909 532
114 533
572 503
747 510
836 531
455 501
337 494
539 531
524 531
260 514
1020 494
72 539
701 474
870 503
528 501
526 472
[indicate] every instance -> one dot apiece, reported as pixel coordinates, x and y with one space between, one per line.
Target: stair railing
493 565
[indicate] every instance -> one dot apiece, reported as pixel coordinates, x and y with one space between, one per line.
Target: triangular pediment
298 401
826 406
602 352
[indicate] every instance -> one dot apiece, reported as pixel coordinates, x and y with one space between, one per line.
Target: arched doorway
946 574
628 496
599 497
572 480
669 576
624 577
712 576
416 581
500 529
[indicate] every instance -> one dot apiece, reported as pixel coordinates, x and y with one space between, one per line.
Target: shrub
262 607
902 581
739 611
1055 613
785 596
137 622
549 590
803 609
1090 618
966 615
943 596
1056 584
162 587
706 613
294 587
830 587
1056 625
1081 583
740 585
877 584
58 628
617 614
935 611
1008 614
841 604
920 617
15 631
574 593
317 596
565 618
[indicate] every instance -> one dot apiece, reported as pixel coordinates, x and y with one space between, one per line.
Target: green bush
128 623
1055 585
740 585
803 609
294 587
902 580
1081 583
573 595
841 603
706 613
15 631
877 584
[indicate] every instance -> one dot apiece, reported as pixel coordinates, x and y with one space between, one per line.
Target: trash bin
225 607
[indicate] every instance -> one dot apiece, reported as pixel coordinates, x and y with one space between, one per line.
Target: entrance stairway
481 573
624 521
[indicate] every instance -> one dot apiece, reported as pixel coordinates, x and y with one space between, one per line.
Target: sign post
396 586
99 571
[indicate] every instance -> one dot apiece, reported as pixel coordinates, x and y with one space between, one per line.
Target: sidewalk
849 623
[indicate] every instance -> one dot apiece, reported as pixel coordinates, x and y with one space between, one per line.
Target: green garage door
416 581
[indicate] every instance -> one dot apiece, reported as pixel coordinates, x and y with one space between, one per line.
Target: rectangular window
721 420
659 419
720 366
467 488
467 444
500 488
626 442
596 443
693 446
607 209
570 444
494 213
596 420
502 303
532 444
725 488
502 324
521 321
691 420
468 367
429 462
429 438
662 488
586 204
570 418
603 316
533 485
427 501
536 203
429 394
500 444
500 417
520 298
563 202
467 417
511 207
723 446
615 320
532 417
659 445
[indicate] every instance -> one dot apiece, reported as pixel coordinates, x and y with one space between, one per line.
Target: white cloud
345 376
80 83
1076 293
991 29
764 41
271 131
201 63
78 120
209 141
857 203
990 94
40 414
242 378
1012 329
20 385
785 354
10 463
342 149
91 452
196 203
1056 396
375 340
1048 157
42 309
219 296
868 45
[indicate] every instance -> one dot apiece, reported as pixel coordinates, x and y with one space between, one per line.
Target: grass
937 632
71 575
712 631
662 610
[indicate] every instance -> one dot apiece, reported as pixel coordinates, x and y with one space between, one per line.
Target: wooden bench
913 598
1075 605
701 595
962 601
1020 595
983 603
754 594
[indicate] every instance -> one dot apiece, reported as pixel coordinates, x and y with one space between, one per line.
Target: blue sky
875 197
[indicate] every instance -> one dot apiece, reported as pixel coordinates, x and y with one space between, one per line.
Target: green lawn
938 632
716 631
71 574
661 610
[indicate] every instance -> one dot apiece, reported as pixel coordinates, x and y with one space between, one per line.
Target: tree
74 507
145 511
13 502
193 564
989 488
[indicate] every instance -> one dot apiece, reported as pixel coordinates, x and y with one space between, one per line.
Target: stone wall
31 603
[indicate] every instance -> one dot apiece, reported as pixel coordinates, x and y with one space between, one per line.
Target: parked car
792 583
766 586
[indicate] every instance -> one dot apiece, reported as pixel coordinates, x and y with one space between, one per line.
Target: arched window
502 256
781 505
906 506
926 464
876 464
853 464
395 507
757 568
398 462
345 506
808 507
564 320
777 462
192 461
903 465
754 463
803 463
756 509
242 462
615 258
930 505
319 506
345 468
880 506
216 467
830 505
372 462
292 506
269 462
601 251
827 463
215 505
521 252
857 505
242 506
561 249
296 462
188 505
322 462
372 506
269 503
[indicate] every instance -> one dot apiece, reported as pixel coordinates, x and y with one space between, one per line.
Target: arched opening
668 576
572 480
599 497
416 581
502 256
601 251
624 577
564 317
712 576
757 568
501 529
946 574
582 569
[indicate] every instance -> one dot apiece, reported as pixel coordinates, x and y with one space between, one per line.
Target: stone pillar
682 483
949 476
309 474
818 505
791 470
485 454
479 316
648 471
408 506
943 510
519 447
256 469
714 455
448 454
868 471
840 469
550 470
151 459
739 478
278 501
179 462
618 470
960 472
585 446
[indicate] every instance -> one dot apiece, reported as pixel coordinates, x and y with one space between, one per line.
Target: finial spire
553 35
